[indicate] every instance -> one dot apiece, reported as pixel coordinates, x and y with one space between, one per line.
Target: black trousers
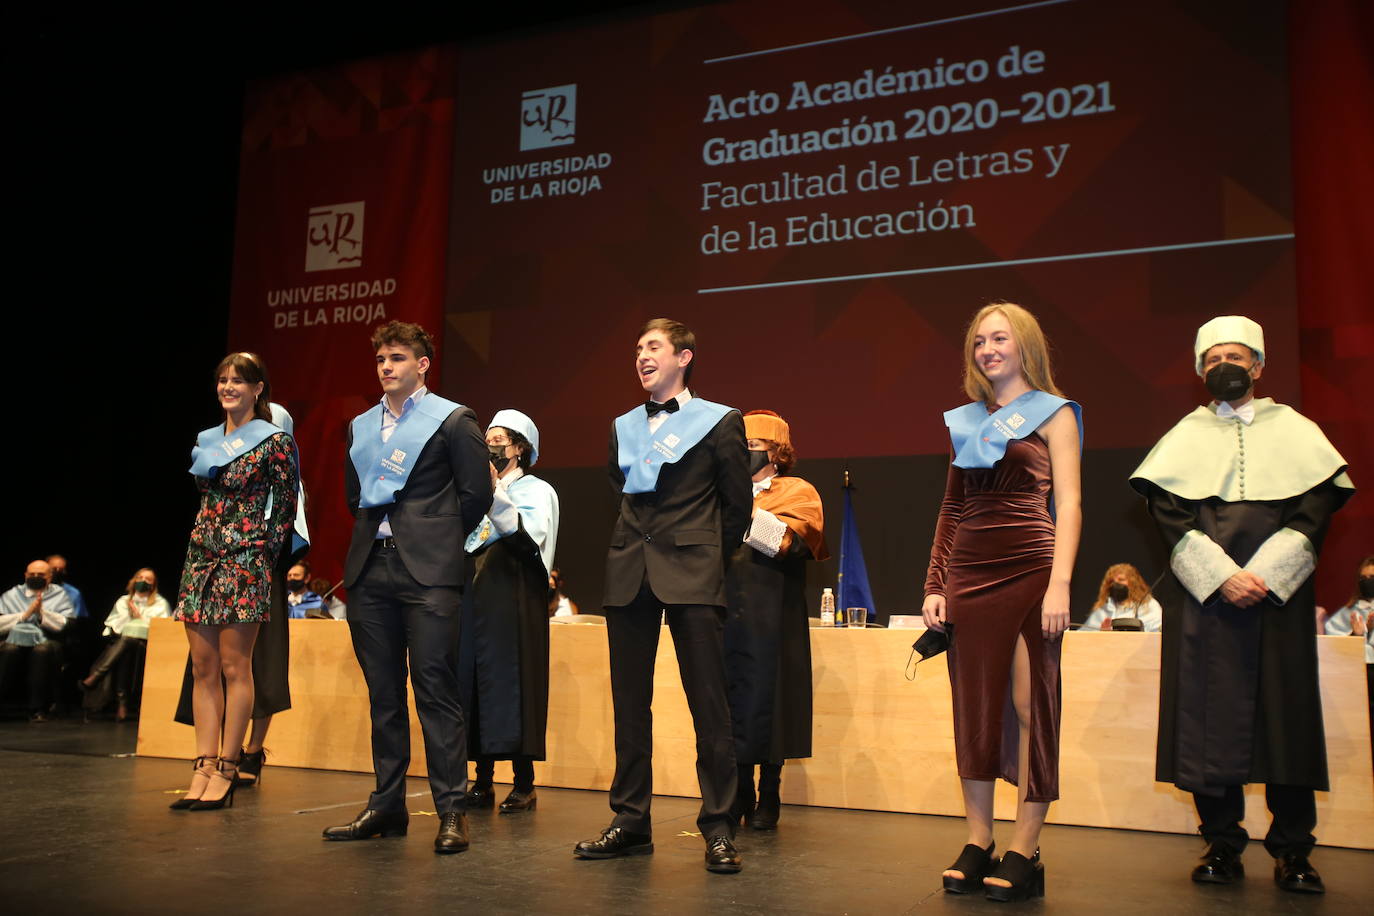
44 660
698 638
1294 809
522 768
392 617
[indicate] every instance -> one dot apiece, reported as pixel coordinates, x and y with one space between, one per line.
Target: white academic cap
515 421
1228 329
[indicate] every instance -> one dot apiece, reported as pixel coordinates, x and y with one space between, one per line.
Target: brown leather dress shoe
370 823
614 842
453 833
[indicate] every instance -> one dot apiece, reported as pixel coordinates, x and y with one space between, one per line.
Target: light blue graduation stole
980 439
642 455
214 450
384 467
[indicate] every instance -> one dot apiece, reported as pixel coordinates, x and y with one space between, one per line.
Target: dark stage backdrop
825 199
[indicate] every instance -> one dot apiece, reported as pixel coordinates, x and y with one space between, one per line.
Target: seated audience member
28 612
127 628
1357 619
332 607
560 605
1123 593
58 564
301 601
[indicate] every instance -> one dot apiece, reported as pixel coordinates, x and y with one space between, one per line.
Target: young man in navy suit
417 480
680 467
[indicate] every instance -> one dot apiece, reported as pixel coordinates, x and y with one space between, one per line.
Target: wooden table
881 742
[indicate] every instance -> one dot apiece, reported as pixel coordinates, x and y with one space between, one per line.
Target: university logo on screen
334 237
548 117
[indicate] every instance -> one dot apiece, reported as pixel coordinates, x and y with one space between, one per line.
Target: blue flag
853 586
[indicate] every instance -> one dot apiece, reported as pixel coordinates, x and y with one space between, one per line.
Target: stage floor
87 830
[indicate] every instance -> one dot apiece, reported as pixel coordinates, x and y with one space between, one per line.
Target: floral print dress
235 542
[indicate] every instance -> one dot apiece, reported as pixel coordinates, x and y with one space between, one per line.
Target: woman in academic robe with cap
767 635
503 657
246 472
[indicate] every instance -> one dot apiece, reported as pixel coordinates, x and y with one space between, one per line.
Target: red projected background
826 198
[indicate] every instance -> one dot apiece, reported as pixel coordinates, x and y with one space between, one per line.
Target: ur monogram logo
334 237
548 117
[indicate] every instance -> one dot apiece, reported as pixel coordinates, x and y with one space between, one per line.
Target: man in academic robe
1243 490
503 659
679 467
417 481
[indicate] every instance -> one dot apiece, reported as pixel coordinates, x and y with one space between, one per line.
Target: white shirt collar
1245 412
765 484
410 402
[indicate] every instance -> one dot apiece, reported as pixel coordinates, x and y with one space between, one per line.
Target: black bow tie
671 406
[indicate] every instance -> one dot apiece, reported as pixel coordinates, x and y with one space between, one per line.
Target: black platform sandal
250 768
975 863
198 765
1027 877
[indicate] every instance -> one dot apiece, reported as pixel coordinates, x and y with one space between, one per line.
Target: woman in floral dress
246 473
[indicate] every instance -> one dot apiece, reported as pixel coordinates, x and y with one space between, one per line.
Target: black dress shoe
765 816
722 856
1219 865
613 842
453 833
480 797
370 823
519 801
1294 873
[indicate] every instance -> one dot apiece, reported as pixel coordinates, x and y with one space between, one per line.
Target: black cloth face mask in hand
1117 592
498 458
1228 382
757 461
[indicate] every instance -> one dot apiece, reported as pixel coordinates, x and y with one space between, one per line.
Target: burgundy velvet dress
994 545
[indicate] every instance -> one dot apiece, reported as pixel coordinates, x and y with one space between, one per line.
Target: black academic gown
768 654
503 656
1239 694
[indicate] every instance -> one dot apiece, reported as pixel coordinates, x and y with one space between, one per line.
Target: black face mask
143 587
1228 382
757 462
36 583
1367 587
295 585
1118 592
498 458
59 576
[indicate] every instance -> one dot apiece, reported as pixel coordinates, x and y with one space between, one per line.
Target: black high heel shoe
1027 877
975 863
227 770
181 804
250 764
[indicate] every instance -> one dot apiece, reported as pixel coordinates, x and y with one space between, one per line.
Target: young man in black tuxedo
680 467
417 481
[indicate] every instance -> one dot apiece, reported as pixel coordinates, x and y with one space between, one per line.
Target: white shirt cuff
1284 562
1201 565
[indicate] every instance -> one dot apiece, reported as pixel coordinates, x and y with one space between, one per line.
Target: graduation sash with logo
643 454
215 450
384 467
980 439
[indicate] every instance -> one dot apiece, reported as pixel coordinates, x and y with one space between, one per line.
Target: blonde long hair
1030 341
1137 591
129 589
